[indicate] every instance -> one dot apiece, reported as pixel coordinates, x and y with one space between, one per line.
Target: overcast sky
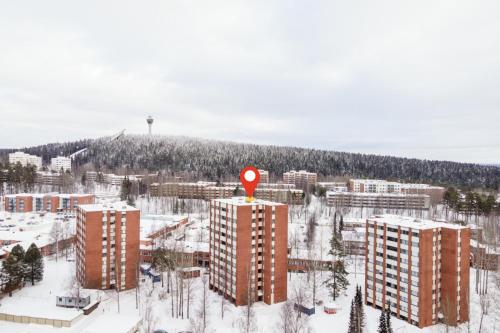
405 78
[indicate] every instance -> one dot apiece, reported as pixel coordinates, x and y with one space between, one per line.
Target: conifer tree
359 308
338 275
382 325
388 318
14 269
34 264
352 319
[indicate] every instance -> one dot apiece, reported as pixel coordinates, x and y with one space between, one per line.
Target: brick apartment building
264 176
248 248
107 246
24 202
302 179
284 193
378 200
382 186
420 267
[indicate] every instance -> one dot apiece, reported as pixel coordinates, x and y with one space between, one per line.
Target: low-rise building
50 202
382 186
395 201
284 193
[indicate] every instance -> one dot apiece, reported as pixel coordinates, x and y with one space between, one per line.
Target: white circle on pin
249 175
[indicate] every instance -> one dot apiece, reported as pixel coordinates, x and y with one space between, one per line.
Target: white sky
405 78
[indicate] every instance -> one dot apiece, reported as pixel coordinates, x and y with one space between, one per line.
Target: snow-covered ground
107 319
27 228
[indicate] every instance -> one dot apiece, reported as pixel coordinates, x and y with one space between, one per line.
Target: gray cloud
387 77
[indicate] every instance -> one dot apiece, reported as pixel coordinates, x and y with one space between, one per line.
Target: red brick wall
449 274
280 254
425 278
465 236
93 250
243 249
132 248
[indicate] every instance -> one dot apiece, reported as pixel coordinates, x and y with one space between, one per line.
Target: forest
215 160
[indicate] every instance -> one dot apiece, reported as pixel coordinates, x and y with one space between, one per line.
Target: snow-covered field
155 305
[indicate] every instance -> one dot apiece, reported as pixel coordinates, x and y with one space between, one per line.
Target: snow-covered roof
120 206
27 228
151 223
241 201
375 194
414 223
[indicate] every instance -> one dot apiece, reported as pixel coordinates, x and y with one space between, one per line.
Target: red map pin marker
249 177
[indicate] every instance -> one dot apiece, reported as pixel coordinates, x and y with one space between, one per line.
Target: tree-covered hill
210 159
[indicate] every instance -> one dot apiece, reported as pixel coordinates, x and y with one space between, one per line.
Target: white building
384 186
56 163
25 159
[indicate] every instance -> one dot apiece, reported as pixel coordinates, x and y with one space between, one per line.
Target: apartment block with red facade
248 249
52 202
107 246
419 267
302 179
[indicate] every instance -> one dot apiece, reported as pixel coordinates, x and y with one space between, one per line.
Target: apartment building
378 200
18 203
354 241
52 202
60 162
302 179
48 178
419 267
248 250
382 186
25 159
107 246
264 176
284 193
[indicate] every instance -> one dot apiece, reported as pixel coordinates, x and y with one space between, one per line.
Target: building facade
24 202
382 186
25 159
302 179
107 246
60 162
284 193
378 200
420 268
248 250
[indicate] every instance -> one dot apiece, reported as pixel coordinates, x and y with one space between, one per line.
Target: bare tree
290 320
484 302
247 322
149 320
189 294
200 323
56 235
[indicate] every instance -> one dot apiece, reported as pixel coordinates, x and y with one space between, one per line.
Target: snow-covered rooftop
151 223
121 206
241 201
27 228
410 222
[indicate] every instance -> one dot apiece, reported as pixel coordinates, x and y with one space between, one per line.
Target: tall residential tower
419 267
248 250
